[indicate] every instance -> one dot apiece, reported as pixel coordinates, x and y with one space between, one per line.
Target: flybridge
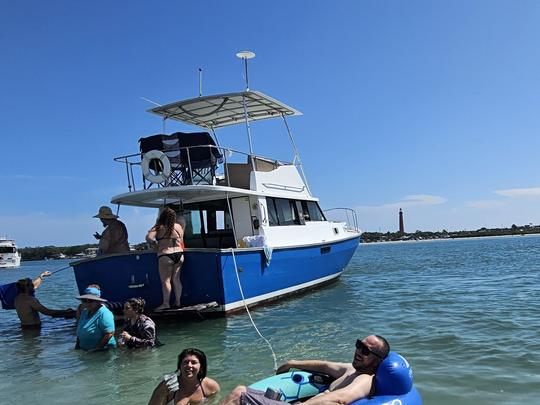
221 110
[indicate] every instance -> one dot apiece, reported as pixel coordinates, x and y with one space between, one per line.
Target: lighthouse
401 227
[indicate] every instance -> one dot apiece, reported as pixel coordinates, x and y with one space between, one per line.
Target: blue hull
209 275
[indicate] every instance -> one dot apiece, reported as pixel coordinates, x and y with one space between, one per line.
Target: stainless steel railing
186 171
346 215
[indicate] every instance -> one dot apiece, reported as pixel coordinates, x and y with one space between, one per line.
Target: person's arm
106 325
161 395
359 388
147 336
211 387
331 368
37 281
55 313
104 340
105 241
151 237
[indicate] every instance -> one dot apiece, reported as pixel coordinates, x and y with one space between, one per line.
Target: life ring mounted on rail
156 166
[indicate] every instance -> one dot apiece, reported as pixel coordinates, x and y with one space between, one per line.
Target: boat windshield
7 249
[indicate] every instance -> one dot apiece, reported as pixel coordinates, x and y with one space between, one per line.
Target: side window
315 213
286 211
272 213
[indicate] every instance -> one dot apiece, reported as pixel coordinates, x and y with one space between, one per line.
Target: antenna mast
245 55
200 82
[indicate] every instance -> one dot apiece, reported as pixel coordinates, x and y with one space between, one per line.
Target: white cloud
519 192
414 200
486 204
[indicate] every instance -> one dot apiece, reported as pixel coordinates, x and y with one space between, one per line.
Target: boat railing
344 215
222 166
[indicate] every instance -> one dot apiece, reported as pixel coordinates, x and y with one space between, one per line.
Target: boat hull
210 275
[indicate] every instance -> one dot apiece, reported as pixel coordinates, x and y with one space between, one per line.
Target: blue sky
429 106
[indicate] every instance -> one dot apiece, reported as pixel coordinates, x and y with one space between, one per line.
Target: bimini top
224 109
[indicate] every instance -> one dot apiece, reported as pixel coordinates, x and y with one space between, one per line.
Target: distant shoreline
409 238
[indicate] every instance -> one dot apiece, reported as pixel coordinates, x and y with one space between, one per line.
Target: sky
428 106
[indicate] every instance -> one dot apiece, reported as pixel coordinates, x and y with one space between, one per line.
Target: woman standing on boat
169 238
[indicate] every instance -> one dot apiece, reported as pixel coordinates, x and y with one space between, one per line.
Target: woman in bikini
169 238
189 385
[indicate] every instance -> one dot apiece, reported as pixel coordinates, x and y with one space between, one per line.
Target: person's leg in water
166 268
177 284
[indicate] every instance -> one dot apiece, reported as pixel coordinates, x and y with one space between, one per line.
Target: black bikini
176 256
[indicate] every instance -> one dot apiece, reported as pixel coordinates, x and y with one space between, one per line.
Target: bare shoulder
341 369
210 386
361 384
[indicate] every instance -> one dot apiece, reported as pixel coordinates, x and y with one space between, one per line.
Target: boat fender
164 165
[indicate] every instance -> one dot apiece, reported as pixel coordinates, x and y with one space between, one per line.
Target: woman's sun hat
91 293
105 213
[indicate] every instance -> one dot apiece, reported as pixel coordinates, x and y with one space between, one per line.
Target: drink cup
171 381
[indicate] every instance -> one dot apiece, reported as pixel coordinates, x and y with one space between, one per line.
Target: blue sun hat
91 293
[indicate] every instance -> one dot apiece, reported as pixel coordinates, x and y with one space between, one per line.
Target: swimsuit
171 402
175 257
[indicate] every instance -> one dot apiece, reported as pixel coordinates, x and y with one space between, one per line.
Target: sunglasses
366 350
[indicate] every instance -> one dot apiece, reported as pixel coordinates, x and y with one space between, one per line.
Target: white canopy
224 109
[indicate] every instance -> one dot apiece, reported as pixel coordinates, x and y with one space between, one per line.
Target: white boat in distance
9 255
253 230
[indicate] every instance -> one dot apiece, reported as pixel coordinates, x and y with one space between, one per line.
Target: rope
242 291
249 313
63 268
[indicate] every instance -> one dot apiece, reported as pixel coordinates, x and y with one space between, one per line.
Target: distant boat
9 254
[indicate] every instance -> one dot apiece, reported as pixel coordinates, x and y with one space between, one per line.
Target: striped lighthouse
401 226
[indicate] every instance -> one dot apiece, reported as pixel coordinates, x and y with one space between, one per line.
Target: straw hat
105 213
91 294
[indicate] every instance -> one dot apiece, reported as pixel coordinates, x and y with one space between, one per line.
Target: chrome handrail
350 223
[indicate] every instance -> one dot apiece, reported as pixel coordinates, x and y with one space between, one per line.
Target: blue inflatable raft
393 384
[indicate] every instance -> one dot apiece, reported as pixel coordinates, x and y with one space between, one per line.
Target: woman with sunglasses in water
95 328
139 330
189 384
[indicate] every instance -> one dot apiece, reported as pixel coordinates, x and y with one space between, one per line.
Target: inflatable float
393 384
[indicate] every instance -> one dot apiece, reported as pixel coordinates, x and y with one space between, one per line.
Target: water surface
465 313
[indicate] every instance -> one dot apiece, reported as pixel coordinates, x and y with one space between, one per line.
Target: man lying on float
352 381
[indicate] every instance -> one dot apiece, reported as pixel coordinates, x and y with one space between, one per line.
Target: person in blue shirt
95 328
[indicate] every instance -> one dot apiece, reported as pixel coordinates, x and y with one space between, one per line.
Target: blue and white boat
253 230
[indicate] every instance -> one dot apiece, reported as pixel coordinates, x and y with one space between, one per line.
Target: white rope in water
249 313
242 291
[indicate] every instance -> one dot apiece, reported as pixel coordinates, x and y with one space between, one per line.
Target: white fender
161 176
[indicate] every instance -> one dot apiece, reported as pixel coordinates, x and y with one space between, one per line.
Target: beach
463 312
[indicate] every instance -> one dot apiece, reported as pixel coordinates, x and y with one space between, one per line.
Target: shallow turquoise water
465 313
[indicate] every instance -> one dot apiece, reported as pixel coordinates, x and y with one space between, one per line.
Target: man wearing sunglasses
353 381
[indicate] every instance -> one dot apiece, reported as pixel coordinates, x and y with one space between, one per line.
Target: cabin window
282 212
7 249
272 213
312 211
208 225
